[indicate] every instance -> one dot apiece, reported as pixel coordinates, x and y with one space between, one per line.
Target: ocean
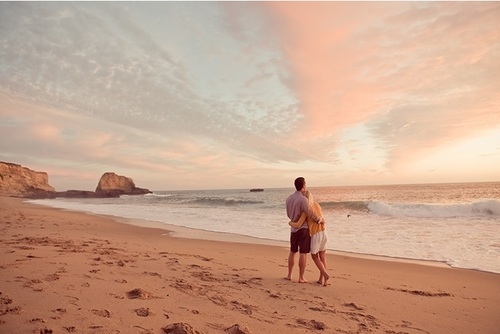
456 224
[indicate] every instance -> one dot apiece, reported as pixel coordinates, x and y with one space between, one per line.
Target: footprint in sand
102 313
143 312
314 324
244 308
274 295
139 294
179 327
11 310
249 282
60 311
354 306
116 296
150 273
238 329
34 320
51 278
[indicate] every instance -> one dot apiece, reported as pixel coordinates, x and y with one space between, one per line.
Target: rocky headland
19 181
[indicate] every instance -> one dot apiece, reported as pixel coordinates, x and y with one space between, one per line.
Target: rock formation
76 194
19 181
112 185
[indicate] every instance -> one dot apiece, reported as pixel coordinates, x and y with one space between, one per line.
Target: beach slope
64 271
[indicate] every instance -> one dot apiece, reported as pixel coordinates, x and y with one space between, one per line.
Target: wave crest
485 208
200 200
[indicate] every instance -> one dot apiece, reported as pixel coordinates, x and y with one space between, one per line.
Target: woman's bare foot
303 280
325 283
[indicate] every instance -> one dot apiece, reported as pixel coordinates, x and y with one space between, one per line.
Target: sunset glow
208 95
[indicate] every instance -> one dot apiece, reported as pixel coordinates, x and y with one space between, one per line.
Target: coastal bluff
19 181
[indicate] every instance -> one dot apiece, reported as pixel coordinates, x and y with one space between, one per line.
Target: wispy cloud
229 88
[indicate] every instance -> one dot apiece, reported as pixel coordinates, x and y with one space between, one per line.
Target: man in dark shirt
300 241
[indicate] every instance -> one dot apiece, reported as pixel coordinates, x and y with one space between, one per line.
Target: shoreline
69 271
367 235
196 234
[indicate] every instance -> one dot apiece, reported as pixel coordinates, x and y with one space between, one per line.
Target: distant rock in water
19 181
113 185
256 189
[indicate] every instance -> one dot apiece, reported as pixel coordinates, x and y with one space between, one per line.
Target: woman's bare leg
322 257
323 274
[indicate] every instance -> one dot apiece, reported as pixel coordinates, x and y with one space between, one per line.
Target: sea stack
113 185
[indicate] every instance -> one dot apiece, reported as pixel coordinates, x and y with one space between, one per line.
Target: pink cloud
316 43
46 132
432 65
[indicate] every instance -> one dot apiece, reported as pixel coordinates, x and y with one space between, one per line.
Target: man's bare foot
288 278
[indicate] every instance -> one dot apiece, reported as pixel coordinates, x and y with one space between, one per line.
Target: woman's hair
310 198
310 203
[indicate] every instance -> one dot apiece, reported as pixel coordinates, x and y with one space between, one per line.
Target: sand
70 272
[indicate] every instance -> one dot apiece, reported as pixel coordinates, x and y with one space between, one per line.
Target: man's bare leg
302 267
291 264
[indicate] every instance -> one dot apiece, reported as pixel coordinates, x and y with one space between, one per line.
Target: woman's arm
298 223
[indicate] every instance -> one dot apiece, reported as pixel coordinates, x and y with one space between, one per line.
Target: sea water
457 224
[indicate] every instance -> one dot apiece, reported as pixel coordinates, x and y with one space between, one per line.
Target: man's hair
299 183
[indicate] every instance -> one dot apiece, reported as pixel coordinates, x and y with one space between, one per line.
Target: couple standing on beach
307 232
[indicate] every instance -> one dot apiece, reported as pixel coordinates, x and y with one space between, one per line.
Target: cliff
19 181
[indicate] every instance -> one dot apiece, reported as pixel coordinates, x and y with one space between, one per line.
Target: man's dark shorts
300 240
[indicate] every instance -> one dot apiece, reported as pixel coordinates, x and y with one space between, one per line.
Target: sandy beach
70 272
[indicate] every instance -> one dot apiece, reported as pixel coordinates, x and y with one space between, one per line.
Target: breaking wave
201 200
484 208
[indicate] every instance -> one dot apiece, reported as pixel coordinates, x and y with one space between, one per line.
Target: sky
235 95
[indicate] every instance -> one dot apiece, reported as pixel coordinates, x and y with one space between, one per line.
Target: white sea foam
487 208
